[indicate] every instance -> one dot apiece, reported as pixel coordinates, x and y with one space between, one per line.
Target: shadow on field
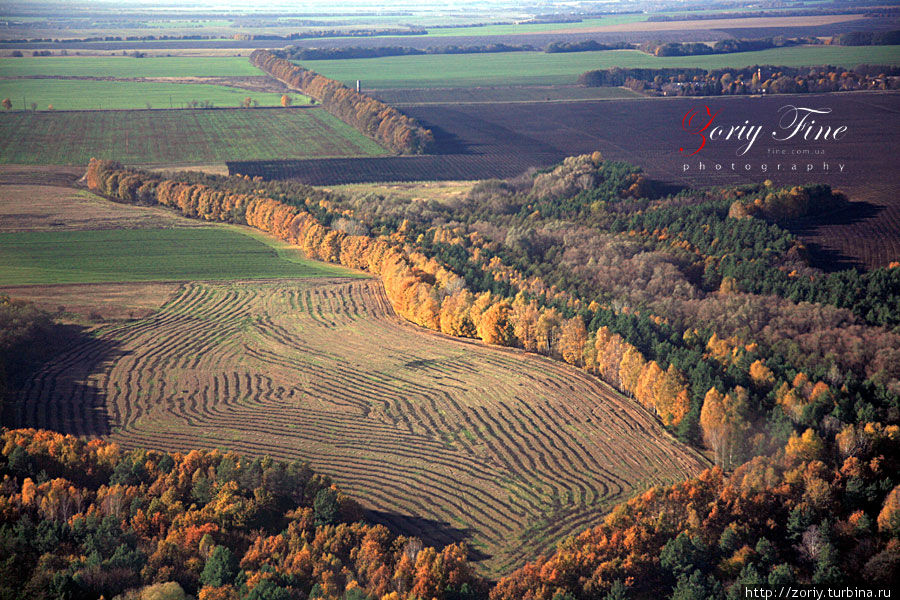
829 259
446 142
431 532
52 389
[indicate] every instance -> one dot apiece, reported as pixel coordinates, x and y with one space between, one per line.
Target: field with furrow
441 438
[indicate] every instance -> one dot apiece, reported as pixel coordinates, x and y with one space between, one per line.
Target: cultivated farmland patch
28 207
177 137
91 94
126 66
441 438
175 254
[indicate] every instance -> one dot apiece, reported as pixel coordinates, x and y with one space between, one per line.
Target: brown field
445 192
88 303
52 175
746 22
481 141
53 208
441 438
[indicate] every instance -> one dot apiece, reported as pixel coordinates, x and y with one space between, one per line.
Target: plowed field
441 438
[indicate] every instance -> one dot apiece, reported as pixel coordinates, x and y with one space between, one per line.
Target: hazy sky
313 5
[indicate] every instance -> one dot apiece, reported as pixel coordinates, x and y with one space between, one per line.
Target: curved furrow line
267 327
351 292
350 429
444 425
534 444
543 411
556 451
312 308
324 379
509 459
336 309
561 480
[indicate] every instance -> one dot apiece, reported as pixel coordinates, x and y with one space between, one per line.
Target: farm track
441 438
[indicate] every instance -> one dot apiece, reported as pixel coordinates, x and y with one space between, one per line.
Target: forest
726 46
89 520
700 305
387 125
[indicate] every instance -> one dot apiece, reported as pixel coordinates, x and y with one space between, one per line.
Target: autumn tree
286 100
495 327
7 104
889 517
573 336
723 419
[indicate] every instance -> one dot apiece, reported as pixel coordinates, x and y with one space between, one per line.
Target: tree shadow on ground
446 142
431 532
55 393
823 257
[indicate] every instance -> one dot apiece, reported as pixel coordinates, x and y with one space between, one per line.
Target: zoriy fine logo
798 133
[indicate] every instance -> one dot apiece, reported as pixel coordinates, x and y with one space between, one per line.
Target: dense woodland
699 305
373 118
89 520
726 46
758 79
868 38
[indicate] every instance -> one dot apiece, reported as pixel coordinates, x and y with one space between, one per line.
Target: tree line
350 52
373 118
332 33
804 12
868 38
765 79
726 46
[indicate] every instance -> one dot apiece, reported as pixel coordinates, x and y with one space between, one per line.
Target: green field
177 136
126 66
534 27
538 68
77 94
114 255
